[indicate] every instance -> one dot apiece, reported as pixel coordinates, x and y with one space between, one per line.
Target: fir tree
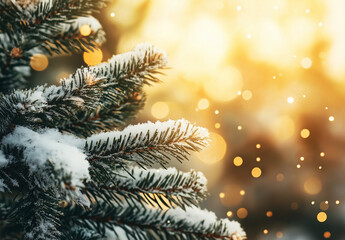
66 170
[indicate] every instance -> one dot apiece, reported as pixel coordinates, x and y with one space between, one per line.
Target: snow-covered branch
148 143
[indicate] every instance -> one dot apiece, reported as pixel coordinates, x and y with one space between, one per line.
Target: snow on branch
63 151
146 222
88 90
160 187
148 143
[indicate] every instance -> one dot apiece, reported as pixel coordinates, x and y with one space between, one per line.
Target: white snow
196 215
187 130
65 151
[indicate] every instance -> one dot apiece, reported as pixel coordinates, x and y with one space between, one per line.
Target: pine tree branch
148 143
158 188
151 223
87 90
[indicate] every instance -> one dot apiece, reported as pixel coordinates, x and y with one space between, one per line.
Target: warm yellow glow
215 151
221 195
93 57
203 104
269 214
239 128
326 234
321 216
312 202
337 202
306 63
112 14
265 231
247 95
302 159
312 186
283 128
256 172
258 159
238 161
280 177
322 154
331 118
160 110
216 112
305 133
85 30
298 166
242 192
320 167
258 146
224 85
229 214
242 213
39 62
217 125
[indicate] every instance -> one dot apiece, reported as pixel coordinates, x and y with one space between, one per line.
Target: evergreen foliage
67 166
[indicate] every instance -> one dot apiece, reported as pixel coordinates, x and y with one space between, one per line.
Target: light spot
238 161
247 95
306 63
160 110
302 159
298 166
39 62
256 172
239 8
258 159
217 125
331 118
216 112
321 217
290 99
279 234
280 177
337 202
85 30
203 104
215 151
322 154
265 231
269 214
221 195
312 186
239 128
242 192
305 133
229 214
242 213
327 234
112 14
94 57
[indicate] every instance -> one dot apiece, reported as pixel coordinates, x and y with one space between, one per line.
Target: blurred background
267 78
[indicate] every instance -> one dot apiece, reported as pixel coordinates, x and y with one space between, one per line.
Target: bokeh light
242 213
160 110
321 217
39 62
312 186
305 133
93 57
256 172
85 30
238 161
215 151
